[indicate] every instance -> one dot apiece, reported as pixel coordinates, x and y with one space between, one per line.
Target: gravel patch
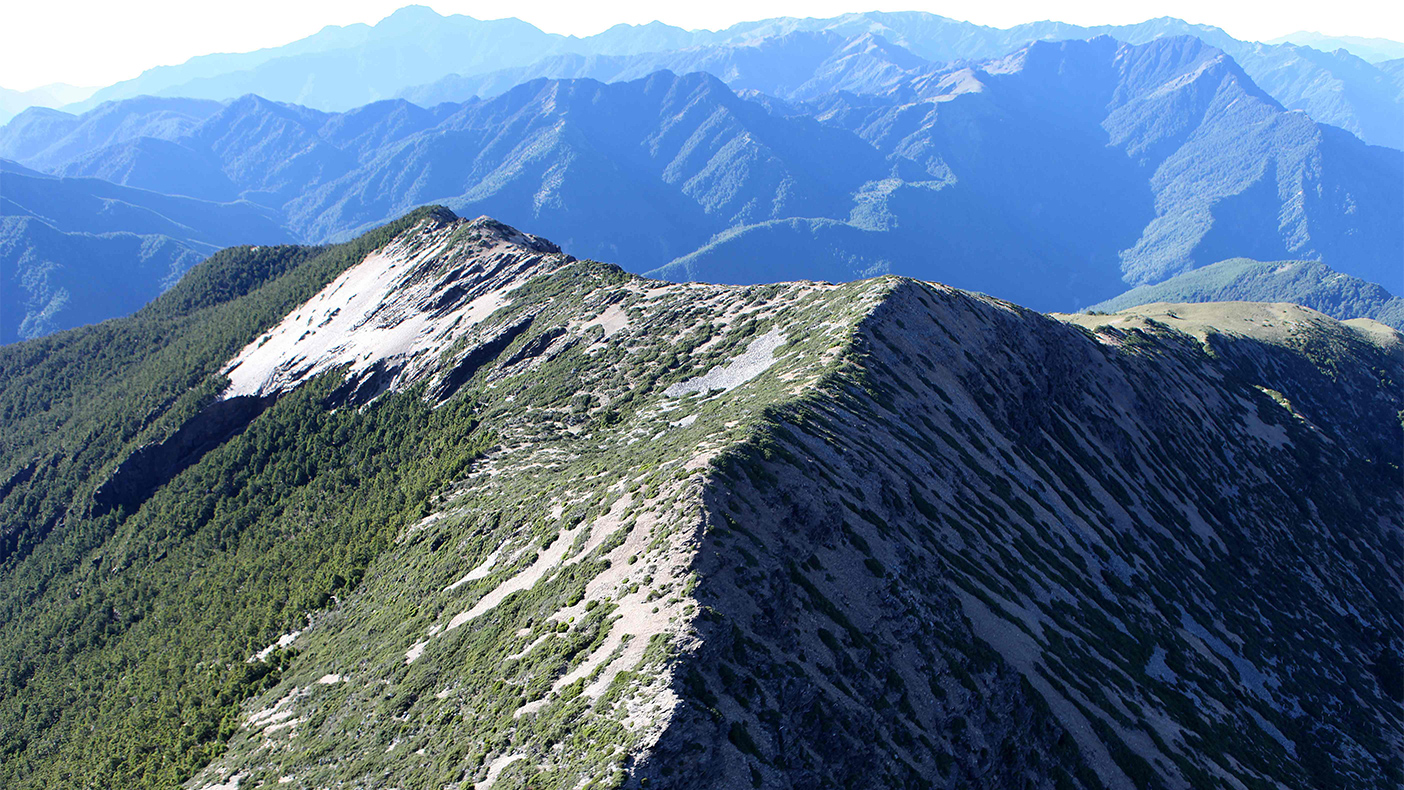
757 357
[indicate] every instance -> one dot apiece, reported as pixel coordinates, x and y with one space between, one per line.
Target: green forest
128 662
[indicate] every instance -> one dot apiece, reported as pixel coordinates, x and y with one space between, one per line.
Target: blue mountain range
1057 175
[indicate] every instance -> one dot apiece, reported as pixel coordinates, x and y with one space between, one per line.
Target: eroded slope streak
878 534
1197 573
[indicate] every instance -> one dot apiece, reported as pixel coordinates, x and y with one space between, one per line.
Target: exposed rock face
878 534
391 316
152 465
385 321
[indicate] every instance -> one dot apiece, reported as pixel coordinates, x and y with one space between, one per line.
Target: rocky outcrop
152 465
469 362
391 317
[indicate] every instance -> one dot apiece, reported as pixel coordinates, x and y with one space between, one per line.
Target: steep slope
585 528
33 130
78 402
1306 283
1335 88
154 164
1395 69
54 280
1298 186
49 139
80 250
637 172
1163 155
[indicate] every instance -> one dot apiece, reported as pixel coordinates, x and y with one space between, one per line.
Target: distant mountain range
416 53
1054 176
1374 50
79 250
1065 155
13 102
804 57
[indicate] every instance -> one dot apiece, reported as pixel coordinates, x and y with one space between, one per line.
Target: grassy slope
1308 283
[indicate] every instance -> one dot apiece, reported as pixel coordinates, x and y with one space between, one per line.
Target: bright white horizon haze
99 42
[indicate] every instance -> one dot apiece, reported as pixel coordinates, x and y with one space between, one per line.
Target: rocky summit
446 507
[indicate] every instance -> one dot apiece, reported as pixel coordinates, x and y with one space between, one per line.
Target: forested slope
445 506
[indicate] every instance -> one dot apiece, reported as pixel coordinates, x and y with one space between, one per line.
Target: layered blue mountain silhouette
79 250
1056 176
416 53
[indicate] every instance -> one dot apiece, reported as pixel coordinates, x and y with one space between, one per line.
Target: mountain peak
487 227
412 14
387 319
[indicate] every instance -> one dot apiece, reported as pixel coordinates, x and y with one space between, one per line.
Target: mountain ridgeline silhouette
1055 176
410 51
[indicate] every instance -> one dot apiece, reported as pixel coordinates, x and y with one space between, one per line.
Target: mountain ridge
1374 50
340 68
1307 283
710 535
79 250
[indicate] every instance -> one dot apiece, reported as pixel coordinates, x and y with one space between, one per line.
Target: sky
98 42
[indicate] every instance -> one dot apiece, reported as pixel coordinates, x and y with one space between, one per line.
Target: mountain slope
1306 283
640 172
1335 88
48 139
1164 155
13 102
344 67
608 530
80 250
797 65
55 280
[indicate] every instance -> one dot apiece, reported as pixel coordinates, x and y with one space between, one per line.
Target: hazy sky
97 42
